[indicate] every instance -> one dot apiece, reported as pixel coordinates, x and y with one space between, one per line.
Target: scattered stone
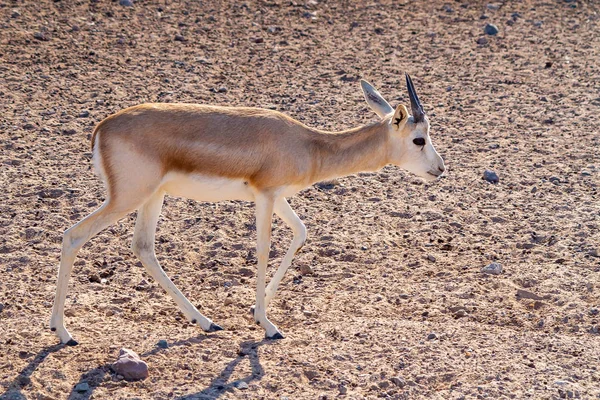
69 132
84 114
342 389
482 41
130 366
491 176
241 385
1 307
246 272
585 172
328 185
222 89
228 301
15 14
398 381
258 40
493 7
460 313
94 278
126 3
594 329
306 269
378 31
82 387
490 29
492 269
311 374
44 36
180 38
525 294
448 8
593 311
163 344
432 336
430 258
555 180
50 193
594 253
28 126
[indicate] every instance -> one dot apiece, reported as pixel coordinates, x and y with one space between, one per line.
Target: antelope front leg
285 212
264 216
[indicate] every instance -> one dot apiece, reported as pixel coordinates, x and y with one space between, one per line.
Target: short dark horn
415 104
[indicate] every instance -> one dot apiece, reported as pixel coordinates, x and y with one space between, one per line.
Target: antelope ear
375 100
400 117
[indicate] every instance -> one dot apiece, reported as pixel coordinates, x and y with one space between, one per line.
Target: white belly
206 188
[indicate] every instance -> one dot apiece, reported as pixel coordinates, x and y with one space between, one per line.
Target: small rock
594 330
460 313
585 172
1 307
306 269
82 387
430 258
342 389
241 385
491 176
492 269
490 29
555 180
246 272
44 36
222 89
272 29
593 311
378 31
94 278
482 40
51 193
311 375
180 38
163 344
29 126
448 8
493 7
431 336
130 366
126 3
525 294
228 301
327 185
84 114
15 14
400 382
258 40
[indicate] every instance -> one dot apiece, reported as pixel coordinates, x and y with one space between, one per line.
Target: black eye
419 141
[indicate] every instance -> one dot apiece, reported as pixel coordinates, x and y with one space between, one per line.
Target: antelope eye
419 141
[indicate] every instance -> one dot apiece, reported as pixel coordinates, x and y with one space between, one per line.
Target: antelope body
212 153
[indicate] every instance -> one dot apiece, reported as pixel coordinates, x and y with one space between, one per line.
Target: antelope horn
415 104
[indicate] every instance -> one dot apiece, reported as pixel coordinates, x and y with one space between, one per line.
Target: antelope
213 153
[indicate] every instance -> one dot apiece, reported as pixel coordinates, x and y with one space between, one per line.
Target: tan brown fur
264 147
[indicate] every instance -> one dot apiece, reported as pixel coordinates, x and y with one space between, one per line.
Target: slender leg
73 239
264 215
285 212
143 247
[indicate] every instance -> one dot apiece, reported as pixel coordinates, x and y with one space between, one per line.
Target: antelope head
410 144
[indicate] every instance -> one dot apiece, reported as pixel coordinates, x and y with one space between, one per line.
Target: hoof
53 329
194 321
276 336
72 342
214 328
252 310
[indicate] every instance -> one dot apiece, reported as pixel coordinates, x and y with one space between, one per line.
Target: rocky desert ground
388 298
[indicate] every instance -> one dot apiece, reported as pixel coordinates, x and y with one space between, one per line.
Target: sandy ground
397 306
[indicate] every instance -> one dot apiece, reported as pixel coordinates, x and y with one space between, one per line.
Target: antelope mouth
434 173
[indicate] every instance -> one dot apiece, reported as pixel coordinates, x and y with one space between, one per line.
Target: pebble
180 38
448 9
555 180
126 3
41 36
241 385
306 269
585 172
492 269
84 114
82 387
593 311
490 29
1 307
163 344
398 381
431 336
491 176
431 258
130 366
222 89
482 40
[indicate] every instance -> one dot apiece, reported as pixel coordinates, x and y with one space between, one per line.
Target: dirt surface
397 306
